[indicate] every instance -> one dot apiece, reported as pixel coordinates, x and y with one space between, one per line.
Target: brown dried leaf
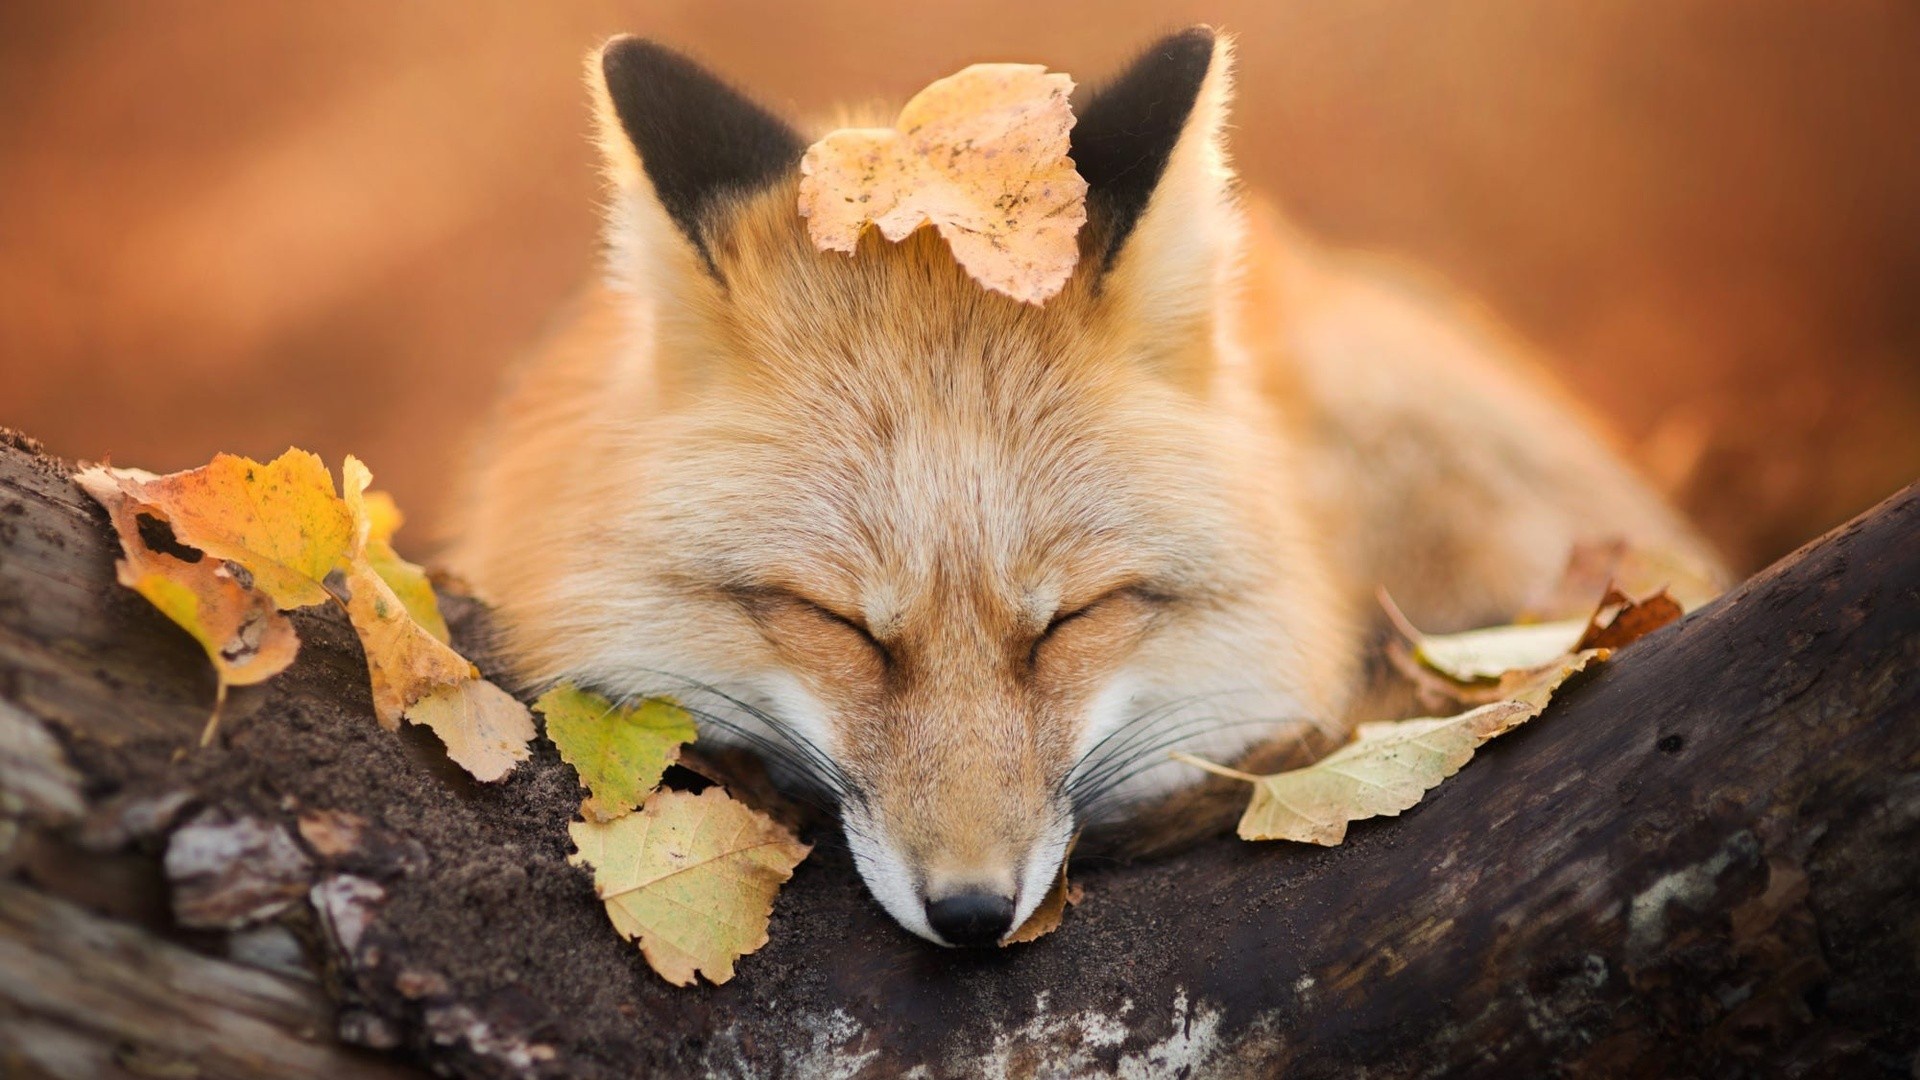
1621 620
1053 907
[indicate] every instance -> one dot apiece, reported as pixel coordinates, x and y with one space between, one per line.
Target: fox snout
959 864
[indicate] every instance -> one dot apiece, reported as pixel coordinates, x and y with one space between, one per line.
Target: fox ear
1160 193
677 141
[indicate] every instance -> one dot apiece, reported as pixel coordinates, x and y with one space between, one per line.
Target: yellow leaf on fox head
214 600
280 520
981 156
620 753
691 877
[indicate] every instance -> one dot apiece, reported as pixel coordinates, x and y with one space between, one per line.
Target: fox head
970 566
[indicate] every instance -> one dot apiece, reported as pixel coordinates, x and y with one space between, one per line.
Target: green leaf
620 754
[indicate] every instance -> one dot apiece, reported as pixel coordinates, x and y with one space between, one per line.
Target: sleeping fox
972 567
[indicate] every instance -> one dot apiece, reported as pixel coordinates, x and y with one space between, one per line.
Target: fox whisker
1121 743
1132 725
1092 792
802 744
811 788
1105 799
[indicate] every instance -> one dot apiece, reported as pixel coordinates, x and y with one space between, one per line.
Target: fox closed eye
850 623
806 630
1109 621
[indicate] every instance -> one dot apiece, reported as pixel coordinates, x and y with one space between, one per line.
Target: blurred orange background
236 226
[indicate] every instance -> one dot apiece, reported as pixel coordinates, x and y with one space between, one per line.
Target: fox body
972 566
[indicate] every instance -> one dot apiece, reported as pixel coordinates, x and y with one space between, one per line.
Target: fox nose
974 918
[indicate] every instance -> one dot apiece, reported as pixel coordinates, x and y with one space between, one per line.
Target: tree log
1703 859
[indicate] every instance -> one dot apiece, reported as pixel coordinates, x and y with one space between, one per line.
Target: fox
970 567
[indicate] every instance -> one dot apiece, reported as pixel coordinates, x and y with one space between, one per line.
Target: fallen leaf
620 753
980 155
280 520
1053 907
276 536
690 877
245 637
417 677
1386 769
1466 661
1621 620
376 518
415 673
405 662
1536 687
486 729
1496 650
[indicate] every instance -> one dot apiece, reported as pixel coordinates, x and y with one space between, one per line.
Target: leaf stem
213 722
1217 770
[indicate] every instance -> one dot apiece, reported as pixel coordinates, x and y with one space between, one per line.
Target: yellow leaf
375 519
982 156
280 528
1387 768
247 640
405 662
621 753
419 677
486 730
281 520
691 877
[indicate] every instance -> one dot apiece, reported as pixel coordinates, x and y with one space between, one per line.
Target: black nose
973 919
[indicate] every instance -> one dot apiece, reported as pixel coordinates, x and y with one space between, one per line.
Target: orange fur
855 493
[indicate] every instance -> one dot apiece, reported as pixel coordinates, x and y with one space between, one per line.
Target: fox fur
971 566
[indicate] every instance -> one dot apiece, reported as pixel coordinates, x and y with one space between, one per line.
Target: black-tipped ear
1128 129
697 138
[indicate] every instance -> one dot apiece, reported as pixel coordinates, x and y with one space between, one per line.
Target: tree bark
1702 860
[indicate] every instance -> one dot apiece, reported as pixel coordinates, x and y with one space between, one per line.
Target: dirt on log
1702 860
